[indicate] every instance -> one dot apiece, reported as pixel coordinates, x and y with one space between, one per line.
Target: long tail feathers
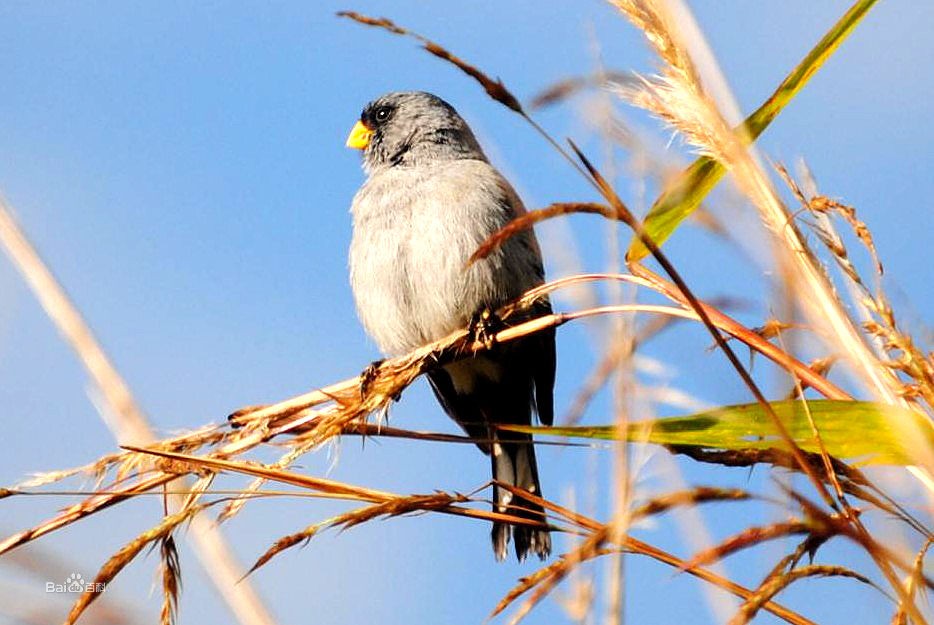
514 463
480 392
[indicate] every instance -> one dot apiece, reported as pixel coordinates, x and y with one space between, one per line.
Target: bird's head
410 127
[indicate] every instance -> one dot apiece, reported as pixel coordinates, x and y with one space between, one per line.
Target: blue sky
181 167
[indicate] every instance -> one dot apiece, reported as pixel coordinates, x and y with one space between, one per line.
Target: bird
430 198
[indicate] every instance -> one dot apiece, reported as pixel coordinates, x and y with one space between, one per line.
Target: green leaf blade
689 189
863 432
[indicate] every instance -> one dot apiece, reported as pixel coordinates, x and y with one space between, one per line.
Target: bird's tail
513 457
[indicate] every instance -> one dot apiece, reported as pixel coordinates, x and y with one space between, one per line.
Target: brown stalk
901 614
85 508
287 542
881 555
494 88
693 496
644 276
775 585
525 222
564 89
389 379
661 32
853 479
171 579
339 489
554 573
764 347
568 560
753 536
390 508
773 456
789 561
639 547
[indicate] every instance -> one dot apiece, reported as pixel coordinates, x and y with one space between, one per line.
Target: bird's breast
414 231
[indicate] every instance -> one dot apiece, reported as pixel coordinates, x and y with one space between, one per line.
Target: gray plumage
430 200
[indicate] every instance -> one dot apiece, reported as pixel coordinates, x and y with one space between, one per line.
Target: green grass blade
864 432
693 184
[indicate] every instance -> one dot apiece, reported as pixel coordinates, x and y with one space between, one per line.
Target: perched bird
430 199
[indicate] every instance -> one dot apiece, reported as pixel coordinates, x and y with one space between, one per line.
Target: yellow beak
359 136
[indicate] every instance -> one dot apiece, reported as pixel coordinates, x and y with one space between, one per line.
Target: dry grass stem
754 536
911 584
494 88
564 89
775 585
171 580
691 497
125 555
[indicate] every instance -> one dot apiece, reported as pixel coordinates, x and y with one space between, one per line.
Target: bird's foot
368 375
484 326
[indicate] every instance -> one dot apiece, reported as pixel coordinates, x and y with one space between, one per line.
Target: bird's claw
368 375
484 326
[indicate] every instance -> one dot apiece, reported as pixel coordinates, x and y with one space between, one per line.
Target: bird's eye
382 113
